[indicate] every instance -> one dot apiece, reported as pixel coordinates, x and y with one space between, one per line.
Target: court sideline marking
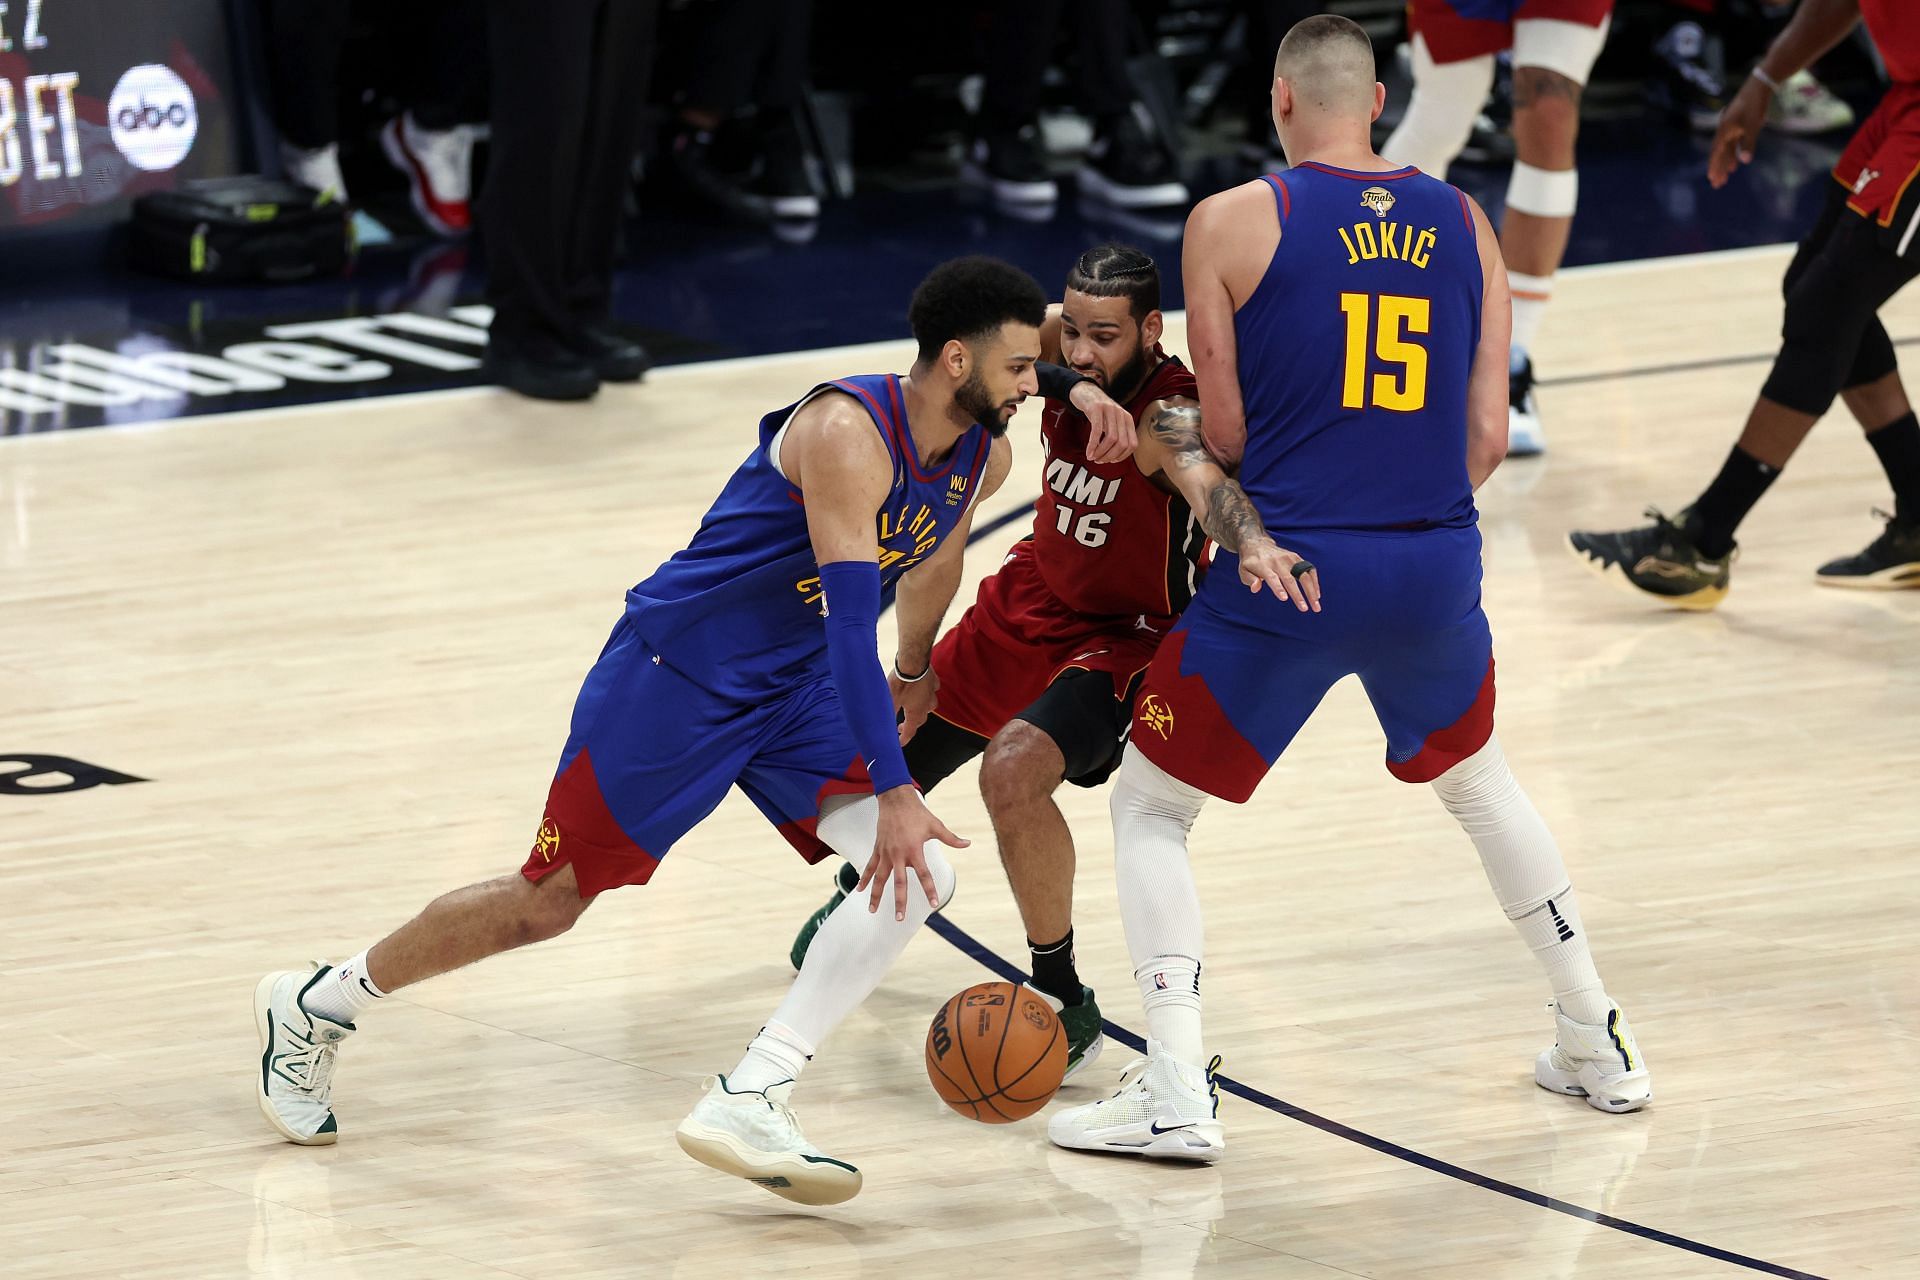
973 948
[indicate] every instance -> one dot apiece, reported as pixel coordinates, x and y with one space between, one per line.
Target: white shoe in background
316 168
438 166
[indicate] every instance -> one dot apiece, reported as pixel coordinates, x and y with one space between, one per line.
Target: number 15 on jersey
1405 388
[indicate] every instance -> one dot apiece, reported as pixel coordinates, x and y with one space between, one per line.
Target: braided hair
1118 271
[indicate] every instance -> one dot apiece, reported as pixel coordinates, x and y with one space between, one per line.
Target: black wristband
1057 381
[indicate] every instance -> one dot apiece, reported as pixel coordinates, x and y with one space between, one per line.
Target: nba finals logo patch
956 490
1157 715
547 843
1378 199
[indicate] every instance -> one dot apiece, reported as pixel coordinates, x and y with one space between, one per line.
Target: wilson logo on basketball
1157 715
547 843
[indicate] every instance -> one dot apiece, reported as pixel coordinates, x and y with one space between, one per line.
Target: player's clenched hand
916 700
1740 126
1284 573
906 824
1114 435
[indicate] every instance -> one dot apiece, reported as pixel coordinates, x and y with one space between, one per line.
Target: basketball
996 1053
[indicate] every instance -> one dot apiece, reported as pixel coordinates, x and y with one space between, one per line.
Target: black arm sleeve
1057 381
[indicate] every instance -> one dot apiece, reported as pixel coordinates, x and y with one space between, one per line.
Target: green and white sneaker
1082 1022
1599 1063
755 1136
843 884
297 1056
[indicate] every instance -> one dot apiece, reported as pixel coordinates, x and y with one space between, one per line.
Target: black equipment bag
245 228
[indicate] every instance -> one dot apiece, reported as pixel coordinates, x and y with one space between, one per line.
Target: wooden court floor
341 644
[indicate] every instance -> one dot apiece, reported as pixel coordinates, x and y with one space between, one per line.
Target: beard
974 400
1127 379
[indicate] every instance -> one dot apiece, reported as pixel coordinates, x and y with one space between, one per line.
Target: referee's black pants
569 79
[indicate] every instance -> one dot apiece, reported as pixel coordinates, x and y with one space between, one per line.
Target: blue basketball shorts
1233 683
651 753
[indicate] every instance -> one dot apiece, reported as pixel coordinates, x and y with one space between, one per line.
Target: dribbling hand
1284 573
906 824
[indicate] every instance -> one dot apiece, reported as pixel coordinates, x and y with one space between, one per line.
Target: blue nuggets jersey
739 611
1355 352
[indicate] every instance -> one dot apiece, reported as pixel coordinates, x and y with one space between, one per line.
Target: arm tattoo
1230 519
1177 426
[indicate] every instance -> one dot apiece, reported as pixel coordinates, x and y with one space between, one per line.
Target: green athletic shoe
843 885
1085 1039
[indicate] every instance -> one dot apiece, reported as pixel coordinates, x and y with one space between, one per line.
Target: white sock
1531 294
855 947
1529 879
343 993
777 1054
1159 902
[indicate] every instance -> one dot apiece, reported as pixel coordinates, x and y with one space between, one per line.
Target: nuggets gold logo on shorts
1378 199
547 843
1156 715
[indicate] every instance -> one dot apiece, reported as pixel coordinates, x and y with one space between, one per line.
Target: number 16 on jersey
1405 388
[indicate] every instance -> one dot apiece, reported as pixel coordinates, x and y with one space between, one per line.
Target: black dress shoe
614 358
565 378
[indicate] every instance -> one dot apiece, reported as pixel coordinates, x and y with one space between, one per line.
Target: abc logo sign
152 117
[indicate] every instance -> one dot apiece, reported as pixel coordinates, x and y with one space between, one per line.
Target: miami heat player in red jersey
1041 672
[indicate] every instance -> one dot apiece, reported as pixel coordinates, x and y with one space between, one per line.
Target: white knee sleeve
851 825
1159 903
1447 98
1517 851
1568 48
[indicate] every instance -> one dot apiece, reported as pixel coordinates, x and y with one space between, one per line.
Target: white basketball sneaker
297 1054
755 1136
1164 1108
1601 1064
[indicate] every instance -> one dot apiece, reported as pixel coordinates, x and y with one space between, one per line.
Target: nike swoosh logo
1156 1129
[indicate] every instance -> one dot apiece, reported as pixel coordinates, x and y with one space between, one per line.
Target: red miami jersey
1895 28
1108 541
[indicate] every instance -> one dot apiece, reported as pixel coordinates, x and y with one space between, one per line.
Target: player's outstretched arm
1487 386
921 600
832 454
1175 446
